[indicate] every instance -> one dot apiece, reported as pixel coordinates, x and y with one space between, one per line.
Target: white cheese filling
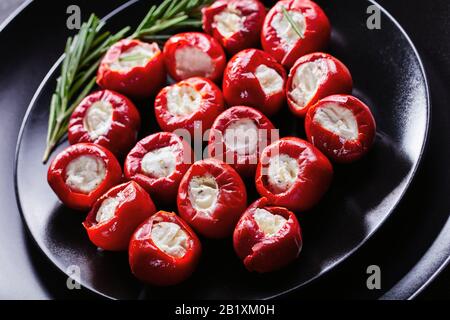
183 100
337 119
282 173
107 209
241 136
137 56
287 35
85 173
98 119
269 80
159 163
229 21
203 193
170 238
268 222
192 61
306 81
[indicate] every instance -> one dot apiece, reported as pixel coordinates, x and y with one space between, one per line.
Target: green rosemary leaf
84 51
291 22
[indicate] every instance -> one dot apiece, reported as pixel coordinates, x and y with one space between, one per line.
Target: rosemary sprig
81 59
84 51
292 22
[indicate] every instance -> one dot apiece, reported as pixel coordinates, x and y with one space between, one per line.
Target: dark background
409 248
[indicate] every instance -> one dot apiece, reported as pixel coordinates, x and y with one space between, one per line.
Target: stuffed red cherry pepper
253 78
211 198
238 136
116 215
194 54
164 250
81 173
292 173
313 77
236 24
191 103
106 118
287 43
134 68
267 238
342 127
157 163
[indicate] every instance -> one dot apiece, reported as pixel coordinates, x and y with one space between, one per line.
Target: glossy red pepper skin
253 12
135 206
211 106
332 145
152 265
71 198
163 190
337 80
125 125
314 178
316 35
241 87
231 202
262 253
245 165
202 41
138 82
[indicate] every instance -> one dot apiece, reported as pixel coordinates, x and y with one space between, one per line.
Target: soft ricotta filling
337 119
98 119
85 173
107 209
170 238
282 173
203 193
269 80
183 100
159 163
267 222
241 136
229 21
284 30
192 61
306 81
137 56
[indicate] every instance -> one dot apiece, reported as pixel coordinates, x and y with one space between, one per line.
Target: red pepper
106 118
194 54
116 215
292 173
133 68
342 127
81 173
331 76
211 198
153 260
253 78
230 143
310 20
267 238
159 176
175 107
248 16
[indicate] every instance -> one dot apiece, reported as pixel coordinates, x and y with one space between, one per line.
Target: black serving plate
388 75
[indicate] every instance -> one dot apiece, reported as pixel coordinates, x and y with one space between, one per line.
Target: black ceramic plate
388 76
